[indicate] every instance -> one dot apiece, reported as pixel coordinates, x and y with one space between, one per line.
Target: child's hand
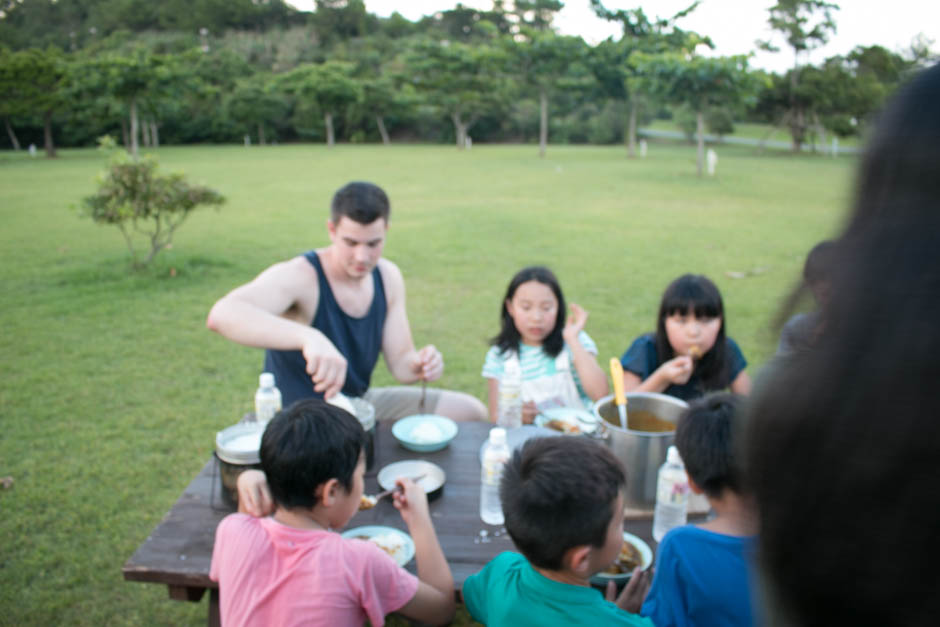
411 501
529 412
678 369
254 496
633 594
574 324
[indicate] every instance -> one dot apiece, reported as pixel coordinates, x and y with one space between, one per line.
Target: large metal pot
641 452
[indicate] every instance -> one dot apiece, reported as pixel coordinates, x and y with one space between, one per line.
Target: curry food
642 420
563 425
388 542
695 352
367 501
628 559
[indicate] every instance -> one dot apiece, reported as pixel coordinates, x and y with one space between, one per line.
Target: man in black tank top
324 317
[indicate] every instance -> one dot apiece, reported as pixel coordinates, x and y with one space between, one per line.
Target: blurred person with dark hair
802 329
843 440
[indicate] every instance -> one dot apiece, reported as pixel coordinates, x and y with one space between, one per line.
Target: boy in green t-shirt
563 503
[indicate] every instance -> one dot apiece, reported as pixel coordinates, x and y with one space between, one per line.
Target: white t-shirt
536 363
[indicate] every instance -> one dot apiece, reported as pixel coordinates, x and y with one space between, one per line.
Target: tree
33 81
543 62
805 25
134 198
462 81
700 83
254 105
615 66
327 88
130 79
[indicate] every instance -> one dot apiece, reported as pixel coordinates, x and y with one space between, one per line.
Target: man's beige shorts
392 403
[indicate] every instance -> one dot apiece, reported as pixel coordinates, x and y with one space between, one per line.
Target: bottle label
673 492
493 468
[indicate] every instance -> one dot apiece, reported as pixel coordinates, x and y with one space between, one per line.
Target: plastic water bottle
267 398
510 396
672 495
495 456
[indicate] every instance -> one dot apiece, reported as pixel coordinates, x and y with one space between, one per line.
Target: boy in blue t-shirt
563 503
703 572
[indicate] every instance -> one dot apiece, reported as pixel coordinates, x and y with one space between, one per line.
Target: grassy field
111 388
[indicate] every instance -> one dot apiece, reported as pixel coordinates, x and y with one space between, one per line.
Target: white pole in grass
711 161
642 148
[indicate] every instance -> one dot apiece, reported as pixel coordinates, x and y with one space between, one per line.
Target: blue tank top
359 340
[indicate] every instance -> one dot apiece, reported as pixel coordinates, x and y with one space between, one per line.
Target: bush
134 198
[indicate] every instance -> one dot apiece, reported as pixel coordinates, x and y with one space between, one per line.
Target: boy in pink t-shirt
292 568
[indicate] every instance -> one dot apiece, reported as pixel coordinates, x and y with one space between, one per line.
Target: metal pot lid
240 444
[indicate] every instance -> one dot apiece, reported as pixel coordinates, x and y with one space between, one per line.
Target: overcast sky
733 25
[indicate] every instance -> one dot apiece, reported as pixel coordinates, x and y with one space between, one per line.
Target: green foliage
134 198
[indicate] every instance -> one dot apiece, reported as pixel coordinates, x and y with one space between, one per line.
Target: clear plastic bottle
267 398
672 495
495 456
510 396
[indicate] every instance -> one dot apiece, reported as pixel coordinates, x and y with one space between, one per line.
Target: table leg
214 617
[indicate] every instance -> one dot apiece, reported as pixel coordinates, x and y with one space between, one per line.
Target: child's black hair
509 337
558 493
307 444
695 294
705 439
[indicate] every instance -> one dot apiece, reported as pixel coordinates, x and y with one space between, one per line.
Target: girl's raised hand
575 323
678 369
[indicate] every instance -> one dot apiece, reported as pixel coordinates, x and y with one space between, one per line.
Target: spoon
373 500
620 399
424 392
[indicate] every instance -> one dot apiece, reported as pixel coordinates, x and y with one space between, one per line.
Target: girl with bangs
689 355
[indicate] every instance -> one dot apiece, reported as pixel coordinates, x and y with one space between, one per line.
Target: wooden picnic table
178 551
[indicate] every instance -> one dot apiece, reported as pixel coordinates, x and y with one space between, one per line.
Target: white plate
517 437
433 479
581 418
645 551
405 549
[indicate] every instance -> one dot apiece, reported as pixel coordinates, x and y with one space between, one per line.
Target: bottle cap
672 456
497 435
266 380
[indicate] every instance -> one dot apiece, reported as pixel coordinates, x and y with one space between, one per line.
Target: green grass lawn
112 389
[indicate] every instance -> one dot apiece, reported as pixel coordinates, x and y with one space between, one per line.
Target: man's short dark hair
704 437
307 444
361 202
558 493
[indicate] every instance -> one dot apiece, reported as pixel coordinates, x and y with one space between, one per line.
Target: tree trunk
47 132
13 139
700 135
125 135
134 126
631 130
154 134
328 119
384 133
261 133
543 121
460 129
797 129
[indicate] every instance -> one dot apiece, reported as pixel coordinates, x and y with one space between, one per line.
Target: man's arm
405 363
259 314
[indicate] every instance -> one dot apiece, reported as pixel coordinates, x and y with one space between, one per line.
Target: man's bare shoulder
392 279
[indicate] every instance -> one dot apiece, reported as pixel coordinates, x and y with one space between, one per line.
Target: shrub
133 197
